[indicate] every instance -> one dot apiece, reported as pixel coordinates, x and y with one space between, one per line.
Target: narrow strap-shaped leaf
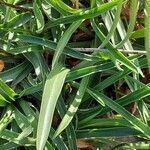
13 137
33 119
7 91
73 107
25 49
111 80
39 17
59 143
133 13
85 14
114 25
52 45
21 120
25 132
64 40
37 60
139 125
55 79
12 73
131 97
27 70
2 101
105 122
123 101
19 20
114 52
8 146
71 136
55 5
8 12
107 132
52 89
82 72
62 7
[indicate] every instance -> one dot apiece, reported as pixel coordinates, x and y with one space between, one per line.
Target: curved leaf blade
52 89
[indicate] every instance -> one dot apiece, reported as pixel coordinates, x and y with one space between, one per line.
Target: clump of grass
53 96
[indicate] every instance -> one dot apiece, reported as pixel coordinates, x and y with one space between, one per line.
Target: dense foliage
74 74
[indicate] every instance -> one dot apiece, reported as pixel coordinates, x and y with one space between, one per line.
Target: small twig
18 7
140 52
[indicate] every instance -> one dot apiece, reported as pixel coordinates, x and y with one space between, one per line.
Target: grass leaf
39 17
52 89
73 107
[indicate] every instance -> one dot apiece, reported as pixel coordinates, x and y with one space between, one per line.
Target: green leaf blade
50 95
